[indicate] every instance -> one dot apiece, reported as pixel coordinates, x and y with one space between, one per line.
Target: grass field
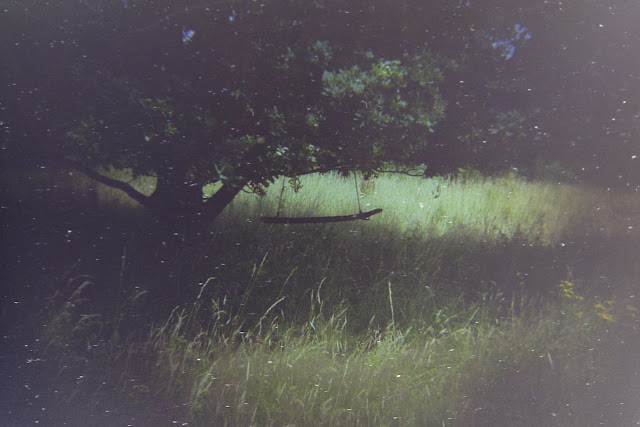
465 302
504 207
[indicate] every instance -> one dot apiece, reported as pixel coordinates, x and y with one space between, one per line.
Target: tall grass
459 304
315 373
484 207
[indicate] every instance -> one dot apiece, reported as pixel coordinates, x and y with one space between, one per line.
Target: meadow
469 300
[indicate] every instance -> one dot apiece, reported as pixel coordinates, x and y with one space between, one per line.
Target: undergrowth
462 303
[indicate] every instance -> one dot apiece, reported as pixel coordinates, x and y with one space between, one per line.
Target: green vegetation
484 208
465 302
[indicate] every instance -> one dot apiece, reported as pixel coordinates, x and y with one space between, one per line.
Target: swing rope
319 219
355 180
280 200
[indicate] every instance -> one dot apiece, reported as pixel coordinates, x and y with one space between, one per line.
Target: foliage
160 99
352 323
235 94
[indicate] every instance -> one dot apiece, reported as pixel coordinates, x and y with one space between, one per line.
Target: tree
229 92
239 92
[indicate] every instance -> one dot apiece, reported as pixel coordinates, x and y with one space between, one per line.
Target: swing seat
318 219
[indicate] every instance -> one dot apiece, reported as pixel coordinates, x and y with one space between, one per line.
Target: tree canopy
239 92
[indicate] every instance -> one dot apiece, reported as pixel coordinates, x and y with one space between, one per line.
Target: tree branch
111 182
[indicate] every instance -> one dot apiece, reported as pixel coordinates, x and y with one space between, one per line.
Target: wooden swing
319 219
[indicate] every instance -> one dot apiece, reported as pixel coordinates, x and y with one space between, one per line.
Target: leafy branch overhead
237 96
236 92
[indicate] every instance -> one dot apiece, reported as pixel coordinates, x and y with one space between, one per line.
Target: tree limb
111 182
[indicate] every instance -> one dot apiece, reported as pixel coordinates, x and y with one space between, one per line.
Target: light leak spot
187 35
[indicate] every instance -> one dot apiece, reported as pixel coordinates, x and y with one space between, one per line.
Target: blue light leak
187 35
520 30
507 47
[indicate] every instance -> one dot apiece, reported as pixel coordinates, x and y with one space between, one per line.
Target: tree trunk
182 209
214 206
176 207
